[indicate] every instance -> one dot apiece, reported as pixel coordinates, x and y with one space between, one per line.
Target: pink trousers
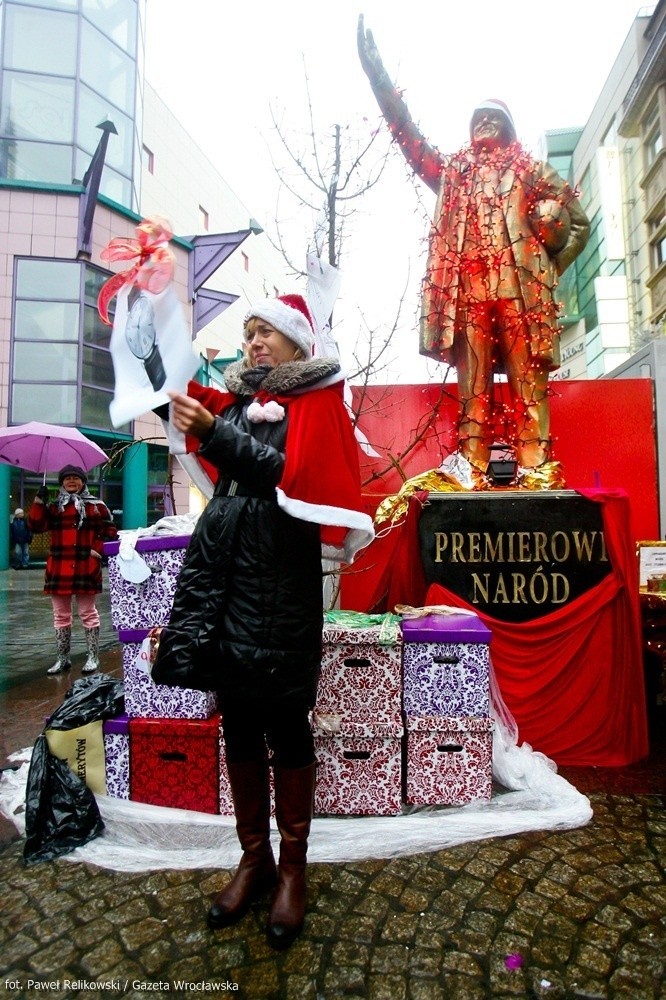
85 606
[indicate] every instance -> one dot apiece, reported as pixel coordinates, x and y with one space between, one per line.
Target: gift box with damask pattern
117 756
361 672
446 664
448 760
176 763
145 699
358 766
146 604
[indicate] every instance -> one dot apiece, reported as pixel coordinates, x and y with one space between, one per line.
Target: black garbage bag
61 812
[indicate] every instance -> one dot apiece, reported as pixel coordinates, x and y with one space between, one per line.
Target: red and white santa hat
289 314
493 104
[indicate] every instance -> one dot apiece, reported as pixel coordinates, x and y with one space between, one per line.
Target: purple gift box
146 700
117 756
446 666
147 604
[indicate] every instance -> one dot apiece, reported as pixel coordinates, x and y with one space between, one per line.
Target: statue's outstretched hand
423 158
368 52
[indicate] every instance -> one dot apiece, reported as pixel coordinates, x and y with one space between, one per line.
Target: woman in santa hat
248 613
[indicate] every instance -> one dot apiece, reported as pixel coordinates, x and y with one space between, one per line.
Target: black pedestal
512 554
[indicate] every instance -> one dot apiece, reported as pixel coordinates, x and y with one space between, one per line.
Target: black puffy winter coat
248 611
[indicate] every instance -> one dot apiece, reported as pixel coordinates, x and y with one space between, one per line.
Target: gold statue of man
505 227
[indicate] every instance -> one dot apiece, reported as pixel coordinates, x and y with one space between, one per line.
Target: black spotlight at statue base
502 465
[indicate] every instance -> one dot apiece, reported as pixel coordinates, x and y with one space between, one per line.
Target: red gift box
176 763
449 760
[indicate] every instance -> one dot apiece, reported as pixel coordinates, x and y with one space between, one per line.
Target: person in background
248 610
21 536
79 524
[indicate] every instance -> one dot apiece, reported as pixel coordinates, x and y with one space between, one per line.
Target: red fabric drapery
573 679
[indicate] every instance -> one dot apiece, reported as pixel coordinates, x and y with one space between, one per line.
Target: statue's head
491 125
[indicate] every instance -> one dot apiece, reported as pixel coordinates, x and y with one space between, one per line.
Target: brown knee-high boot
256 873
294 796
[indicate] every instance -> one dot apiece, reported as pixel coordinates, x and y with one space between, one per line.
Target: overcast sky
219 65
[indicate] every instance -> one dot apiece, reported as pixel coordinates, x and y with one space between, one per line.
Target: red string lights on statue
487 265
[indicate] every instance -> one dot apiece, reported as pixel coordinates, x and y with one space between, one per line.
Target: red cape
321 480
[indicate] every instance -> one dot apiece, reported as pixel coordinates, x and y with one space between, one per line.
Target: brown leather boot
294 796
256 873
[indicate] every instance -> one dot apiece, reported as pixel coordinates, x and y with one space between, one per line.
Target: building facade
614 294
55 363
642 123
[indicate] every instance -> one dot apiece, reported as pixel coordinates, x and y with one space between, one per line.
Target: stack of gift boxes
358 722
405 718
446 700
402 711
167 749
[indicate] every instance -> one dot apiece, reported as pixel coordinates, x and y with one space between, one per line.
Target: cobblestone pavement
579 913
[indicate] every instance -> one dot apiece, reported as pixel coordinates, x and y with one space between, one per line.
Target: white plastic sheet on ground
140 837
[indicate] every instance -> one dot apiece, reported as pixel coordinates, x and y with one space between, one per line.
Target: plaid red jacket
71 567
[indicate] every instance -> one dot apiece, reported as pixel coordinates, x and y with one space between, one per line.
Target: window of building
159 483
246 261
68 4
658 219
653 140
29 36
659 252
586 185
107 69
61 363
37 107
148 159
55 93
117 20
610 136
204 218
651 117
114 185
92 110
35 161
654 145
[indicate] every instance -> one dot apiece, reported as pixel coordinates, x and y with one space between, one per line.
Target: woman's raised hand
189 416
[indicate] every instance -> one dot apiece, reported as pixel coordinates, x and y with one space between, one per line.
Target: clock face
140 328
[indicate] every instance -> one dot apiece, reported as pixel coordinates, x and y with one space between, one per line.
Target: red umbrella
40 447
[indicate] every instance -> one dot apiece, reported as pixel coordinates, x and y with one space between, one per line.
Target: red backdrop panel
603 434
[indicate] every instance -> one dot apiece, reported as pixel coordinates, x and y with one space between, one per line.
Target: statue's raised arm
424 159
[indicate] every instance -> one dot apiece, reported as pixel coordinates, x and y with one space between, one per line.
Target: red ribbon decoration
153 267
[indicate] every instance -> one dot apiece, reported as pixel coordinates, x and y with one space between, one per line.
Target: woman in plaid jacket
79 524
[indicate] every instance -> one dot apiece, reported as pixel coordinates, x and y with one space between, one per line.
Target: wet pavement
579 913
